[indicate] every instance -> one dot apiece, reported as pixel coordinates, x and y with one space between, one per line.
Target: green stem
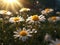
16 24
3 24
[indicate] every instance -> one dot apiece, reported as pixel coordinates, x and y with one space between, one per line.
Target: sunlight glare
12 4
10 1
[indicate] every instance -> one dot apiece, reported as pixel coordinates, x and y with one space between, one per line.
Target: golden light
11 4
10 1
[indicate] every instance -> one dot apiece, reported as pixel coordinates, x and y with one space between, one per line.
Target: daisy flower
54 19
35 18
5 14
47 10
3 11
22 34
15 19
57 42
24 9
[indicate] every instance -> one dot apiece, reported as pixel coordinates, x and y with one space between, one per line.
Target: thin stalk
17 25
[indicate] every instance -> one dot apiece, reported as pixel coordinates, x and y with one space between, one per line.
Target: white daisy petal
29 35
5 12
35 18
15 32
16 35
23 34
15 19
46 11
54 19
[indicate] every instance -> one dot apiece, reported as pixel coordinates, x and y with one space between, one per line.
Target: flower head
5 12
47 10
36 18
53 19
16 19
22 34
24 9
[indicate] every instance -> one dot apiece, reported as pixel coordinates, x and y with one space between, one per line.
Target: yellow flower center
23 33
16 19
58 44
53 18
35 17
47 10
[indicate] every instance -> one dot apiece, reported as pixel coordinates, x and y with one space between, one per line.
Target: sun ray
11 4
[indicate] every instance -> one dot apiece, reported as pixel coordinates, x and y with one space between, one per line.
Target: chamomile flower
47 10
54 19
15 19
5 14
24 9
22 34
35 18
57 42
3 11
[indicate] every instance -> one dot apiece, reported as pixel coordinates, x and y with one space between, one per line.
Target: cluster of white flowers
25 33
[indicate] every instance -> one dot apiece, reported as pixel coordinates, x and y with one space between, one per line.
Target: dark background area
55 4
